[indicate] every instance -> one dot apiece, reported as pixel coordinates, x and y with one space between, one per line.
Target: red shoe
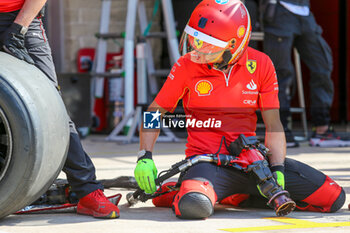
96 204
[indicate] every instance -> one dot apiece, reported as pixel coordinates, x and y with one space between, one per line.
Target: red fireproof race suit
232 99
210 94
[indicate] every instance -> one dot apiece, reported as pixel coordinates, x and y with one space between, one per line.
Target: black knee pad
195 206
339 202
195 200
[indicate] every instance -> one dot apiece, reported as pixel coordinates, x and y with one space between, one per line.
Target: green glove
261 193
145 175
278 174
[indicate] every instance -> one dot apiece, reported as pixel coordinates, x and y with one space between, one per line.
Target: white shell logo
222 2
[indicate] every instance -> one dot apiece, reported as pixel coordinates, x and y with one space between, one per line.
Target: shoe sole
328 143
86 211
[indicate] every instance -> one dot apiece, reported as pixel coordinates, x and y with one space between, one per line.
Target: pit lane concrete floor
113 160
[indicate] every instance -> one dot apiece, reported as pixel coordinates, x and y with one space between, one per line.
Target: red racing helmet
218 32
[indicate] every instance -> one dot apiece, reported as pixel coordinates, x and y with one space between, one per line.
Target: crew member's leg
317 55
279 50
204 184
309 188
278 43
78 167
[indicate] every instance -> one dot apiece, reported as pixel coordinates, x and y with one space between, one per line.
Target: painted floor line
293 224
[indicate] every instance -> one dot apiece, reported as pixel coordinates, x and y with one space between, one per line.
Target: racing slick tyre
34 134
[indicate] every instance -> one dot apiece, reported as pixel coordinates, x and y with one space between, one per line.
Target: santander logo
251 85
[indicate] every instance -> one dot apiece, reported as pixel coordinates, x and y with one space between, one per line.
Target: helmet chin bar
226 57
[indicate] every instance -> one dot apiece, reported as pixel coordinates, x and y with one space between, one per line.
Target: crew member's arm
276 142
274 136
146 171
166 100
29 11
269 105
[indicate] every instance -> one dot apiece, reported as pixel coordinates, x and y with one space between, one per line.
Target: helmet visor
201 48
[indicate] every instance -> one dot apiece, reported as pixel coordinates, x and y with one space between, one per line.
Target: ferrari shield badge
251 66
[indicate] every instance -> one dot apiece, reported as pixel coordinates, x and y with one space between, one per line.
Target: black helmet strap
226 57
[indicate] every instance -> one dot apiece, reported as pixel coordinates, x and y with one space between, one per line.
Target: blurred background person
288 24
